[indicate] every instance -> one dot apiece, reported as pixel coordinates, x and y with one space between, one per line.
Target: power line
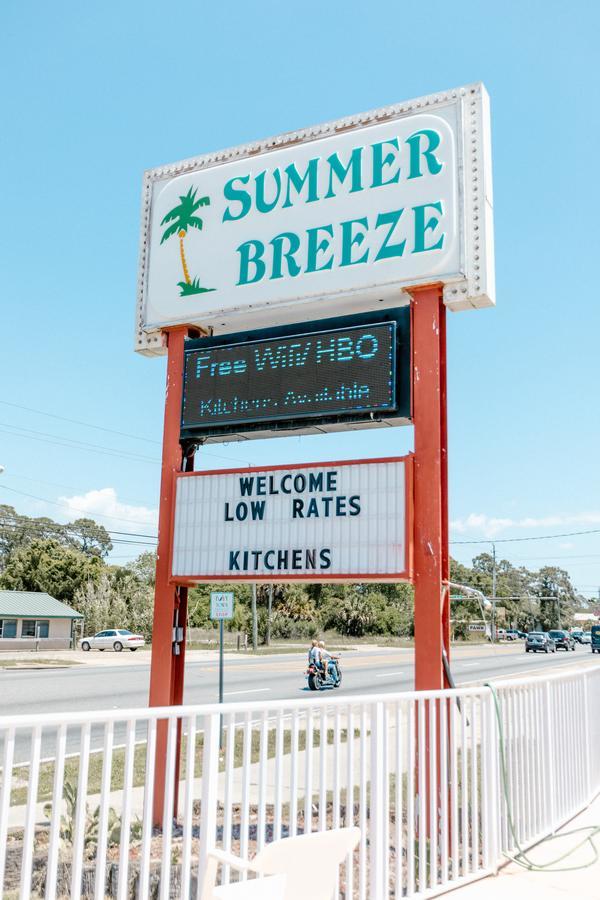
72 508
41 412
126 434
26 523
539 537
68 487
72 444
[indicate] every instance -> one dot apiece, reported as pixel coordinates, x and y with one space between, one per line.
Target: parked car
115 639
562 639
514 634
539 640
595 638
586 637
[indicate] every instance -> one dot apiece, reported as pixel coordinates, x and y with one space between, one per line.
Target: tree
182 217
46 565
17 531
118 599
144 567
89 537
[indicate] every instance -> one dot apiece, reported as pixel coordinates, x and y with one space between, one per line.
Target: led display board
357 369
322 522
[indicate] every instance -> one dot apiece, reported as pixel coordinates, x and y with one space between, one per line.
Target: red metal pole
166 677
431 557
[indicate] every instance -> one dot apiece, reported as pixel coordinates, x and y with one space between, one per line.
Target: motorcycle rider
328 661
314 656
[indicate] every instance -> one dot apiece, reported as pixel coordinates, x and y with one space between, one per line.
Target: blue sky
92 94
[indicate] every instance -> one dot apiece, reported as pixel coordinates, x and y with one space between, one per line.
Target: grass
71 769
35 662
193 288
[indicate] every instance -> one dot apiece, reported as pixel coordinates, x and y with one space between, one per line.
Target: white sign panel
318 522
476 627
334 219
221 604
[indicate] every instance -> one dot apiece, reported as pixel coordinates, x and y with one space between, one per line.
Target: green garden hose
521 859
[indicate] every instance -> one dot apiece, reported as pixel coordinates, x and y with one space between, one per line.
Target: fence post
549 789
490 737
587 712
209 796
377 829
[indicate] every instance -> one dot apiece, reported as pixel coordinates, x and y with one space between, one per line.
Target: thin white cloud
490 526
105 504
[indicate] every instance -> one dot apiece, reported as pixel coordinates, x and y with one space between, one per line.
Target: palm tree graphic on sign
182 217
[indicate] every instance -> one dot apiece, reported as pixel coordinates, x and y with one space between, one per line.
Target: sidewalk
519 884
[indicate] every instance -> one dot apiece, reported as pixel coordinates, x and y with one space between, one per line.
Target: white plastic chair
310 863
272 887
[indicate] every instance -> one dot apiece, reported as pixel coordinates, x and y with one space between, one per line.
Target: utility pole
254 619
493 592
269 612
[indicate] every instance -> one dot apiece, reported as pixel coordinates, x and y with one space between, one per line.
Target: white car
586 637
115 639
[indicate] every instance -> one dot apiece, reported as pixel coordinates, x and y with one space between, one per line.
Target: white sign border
406 576
474 290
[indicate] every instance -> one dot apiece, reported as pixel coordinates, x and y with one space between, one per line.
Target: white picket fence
419 773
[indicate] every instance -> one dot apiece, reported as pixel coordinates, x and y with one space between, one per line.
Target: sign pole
431 556
221 682
221 608
166 678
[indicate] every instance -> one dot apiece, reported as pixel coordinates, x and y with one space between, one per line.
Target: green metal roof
34 605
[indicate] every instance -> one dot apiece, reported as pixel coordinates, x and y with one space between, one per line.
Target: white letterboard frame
347 520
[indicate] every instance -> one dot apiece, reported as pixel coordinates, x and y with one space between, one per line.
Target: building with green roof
33 619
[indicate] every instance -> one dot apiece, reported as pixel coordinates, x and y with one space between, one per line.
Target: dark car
539 640
514 634
563 640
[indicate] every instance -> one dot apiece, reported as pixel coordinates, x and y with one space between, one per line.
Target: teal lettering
350 238
337 168
380 162
298 181
387 250
237 196
262 204
316 246
422 226
278 254
246 260
414 142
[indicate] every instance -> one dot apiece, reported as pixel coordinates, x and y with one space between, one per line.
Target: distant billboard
339 218
259 382
332 521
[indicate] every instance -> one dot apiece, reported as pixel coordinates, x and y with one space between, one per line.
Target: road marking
389 674
513 673
252 691
466 665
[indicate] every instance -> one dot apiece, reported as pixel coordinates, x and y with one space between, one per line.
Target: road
280 677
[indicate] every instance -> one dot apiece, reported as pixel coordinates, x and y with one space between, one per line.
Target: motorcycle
320 678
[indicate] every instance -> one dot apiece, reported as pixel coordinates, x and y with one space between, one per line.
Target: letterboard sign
289 378
322 522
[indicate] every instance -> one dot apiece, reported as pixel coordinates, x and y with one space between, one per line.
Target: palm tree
182 217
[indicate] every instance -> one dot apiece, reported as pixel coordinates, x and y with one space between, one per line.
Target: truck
595 638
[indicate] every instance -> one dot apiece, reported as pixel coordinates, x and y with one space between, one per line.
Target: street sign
476 626
221 605
332 219
262 382
333 521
